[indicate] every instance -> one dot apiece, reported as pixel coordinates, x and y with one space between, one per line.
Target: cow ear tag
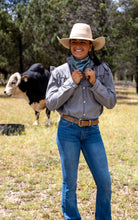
25 78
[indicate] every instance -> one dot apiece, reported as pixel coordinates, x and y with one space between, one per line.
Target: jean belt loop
73 121
92 122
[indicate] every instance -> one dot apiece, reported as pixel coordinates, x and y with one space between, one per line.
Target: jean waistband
81 122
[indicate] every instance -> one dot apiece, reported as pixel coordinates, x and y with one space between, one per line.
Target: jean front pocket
96 127
64 123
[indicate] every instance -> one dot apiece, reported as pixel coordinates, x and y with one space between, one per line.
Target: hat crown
80 30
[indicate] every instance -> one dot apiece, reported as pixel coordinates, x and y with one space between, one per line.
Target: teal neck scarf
80 64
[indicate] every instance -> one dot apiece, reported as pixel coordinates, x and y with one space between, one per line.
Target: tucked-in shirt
80 100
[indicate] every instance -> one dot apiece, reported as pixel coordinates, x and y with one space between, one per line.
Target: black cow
31 85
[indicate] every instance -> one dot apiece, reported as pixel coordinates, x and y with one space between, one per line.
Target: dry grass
30 173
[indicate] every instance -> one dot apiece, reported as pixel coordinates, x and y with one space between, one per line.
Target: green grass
30 172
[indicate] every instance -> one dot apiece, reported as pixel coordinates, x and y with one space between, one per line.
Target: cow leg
48 116
37 114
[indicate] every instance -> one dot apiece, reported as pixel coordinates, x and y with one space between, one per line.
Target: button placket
84 100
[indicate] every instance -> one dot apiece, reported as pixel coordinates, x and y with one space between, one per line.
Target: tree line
29 30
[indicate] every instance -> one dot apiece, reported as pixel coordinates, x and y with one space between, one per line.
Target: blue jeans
71 139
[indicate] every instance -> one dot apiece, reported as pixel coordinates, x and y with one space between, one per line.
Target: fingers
89 72
90 75
77 76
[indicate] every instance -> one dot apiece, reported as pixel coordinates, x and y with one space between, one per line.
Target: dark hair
94 57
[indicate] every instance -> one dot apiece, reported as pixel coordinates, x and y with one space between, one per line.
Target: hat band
80 36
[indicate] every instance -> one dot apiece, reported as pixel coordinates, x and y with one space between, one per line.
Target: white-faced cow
31 85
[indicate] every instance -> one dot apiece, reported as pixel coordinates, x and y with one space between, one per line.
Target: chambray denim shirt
84 100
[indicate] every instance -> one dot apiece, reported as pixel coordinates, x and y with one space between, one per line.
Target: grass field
30 173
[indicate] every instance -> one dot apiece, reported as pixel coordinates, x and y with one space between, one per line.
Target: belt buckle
79 122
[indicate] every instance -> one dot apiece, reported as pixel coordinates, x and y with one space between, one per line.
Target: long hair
94 57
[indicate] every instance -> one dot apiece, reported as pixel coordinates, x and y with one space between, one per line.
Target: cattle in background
31 85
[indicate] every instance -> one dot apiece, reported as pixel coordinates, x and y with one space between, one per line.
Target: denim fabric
71 139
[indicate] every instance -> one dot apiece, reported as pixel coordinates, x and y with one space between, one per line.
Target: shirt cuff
95 86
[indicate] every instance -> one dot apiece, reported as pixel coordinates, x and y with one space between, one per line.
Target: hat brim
98 43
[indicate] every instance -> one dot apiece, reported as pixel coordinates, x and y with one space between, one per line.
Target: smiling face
80 48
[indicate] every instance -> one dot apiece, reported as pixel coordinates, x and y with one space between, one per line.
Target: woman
78 90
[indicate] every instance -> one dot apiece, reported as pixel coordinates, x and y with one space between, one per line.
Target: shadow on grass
127 100
125 92
4 96
126 95
127 103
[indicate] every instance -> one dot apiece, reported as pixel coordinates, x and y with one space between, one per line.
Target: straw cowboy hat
83 32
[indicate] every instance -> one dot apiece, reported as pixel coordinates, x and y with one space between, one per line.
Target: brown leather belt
81 122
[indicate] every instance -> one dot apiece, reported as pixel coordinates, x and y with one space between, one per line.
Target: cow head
12 87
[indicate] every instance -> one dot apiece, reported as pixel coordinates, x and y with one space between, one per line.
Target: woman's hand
90 75
77 76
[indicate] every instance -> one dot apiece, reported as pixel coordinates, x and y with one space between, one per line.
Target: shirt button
83 87
83 114
84 101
